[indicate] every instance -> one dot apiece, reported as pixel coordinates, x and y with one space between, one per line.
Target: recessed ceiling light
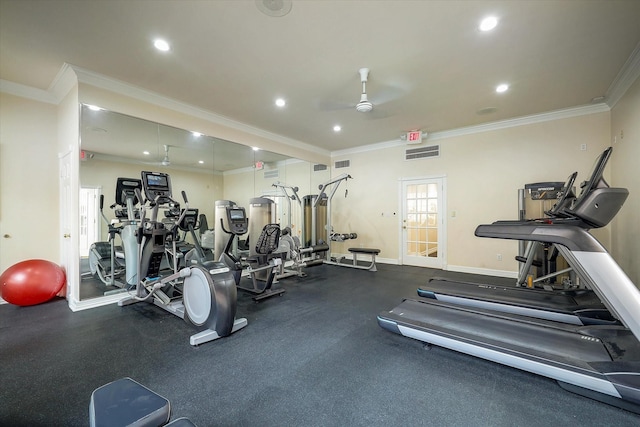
502 88
337 128
146 153
281 102
274 8
488 23
201 162
94 108
256 149
197 134
161 45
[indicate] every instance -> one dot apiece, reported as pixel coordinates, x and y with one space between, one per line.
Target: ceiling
115 137
431 68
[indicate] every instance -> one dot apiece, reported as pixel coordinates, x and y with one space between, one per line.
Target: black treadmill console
237 220
157 186
596 179
598 203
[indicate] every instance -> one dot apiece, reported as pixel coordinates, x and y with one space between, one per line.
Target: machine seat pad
365 250
125 402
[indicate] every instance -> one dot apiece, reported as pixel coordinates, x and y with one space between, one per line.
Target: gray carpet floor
313 357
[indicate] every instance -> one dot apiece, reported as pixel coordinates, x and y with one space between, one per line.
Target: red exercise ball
31 282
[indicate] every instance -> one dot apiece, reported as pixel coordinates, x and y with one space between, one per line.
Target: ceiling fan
370 107
166 161
364 106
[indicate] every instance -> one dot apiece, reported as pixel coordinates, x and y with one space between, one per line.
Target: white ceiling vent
273 173
343 164
318 168
422 152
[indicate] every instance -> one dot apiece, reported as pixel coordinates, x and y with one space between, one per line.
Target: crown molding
486 127
70 74
122 88
626 77
564 113
27 92
64 81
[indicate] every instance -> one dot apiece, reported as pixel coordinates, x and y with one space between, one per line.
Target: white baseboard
95 302
456 268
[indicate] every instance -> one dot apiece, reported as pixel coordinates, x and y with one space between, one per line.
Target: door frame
442 226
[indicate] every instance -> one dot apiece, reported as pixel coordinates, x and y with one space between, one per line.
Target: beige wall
625 132
483 174
202 189
28 181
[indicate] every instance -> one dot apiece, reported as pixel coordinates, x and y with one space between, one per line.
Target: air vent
318 168
343 164
273 173
422 152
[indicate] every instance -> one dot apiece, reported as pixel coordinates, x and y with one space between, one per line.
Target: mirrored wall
208 169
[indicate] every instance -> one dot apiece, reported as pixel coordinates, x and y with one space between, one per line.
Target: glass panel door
422 224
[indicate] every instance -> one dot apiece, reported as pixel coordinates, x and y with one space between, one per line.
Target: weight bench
126 402
368 251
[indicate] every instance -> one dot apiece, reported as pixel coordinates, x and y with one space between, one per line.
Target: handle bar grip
184 196
101 201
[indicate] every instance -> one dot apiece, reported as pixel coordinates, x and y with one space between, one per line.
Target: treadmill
595 208
577 307
600 361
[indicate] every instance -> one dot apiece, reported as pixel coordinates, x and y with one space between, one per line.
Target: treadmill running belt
566 353
578 307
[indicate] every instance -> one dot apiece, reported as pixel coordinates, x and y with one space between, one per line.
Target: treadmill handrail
588 257
571 236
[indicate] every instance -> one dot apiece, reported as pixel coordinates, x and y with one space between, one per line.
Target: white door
423 207
68 244
89 219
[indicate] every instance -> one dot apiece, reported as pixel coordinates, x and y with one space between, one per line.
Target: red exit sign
414 137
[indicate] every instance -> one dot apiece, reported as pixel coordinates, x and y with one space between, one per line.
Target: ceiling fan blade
386 93
327 105
378 113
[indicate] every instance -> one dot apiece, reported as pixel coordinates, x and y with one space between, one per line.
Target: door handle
66 235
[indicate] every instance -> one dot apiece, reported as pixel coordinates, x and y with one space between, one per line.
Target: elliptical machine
198 254
263 266
108 261
203 294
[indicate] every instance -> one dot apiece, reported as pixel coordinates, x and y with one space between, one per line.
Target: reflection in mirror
208 169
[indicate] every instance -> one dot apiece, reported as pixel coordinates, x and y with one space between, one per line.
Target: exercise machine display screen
157 181
237 219
156 185
236 214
